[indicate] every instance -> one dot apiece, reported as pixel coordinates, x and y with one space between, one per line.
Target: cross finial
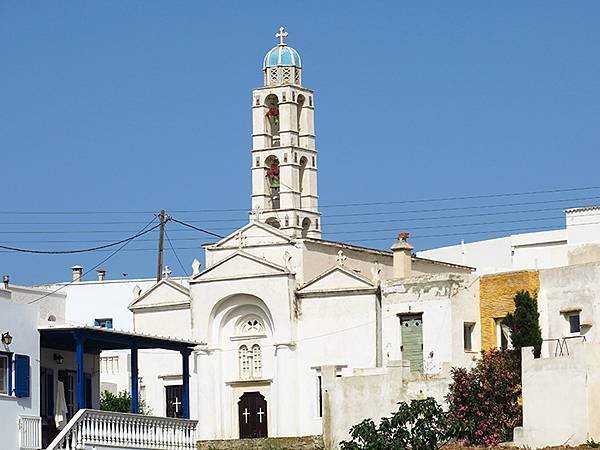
341 258
281 35
167 272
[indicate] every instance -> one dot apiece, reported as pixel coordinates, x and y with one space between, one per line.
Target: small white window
4 374
574 323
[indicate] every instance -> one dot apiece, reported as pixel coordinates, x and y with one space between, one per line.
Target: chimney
101 274
77 273
402 257
6 280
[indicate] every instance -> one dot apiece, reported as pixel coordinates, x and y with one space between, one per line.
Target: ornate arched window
256 361
250 362
244 362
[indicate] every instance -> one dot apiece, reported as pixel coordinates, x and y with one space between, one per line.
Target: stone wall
279 443
496 293
371 394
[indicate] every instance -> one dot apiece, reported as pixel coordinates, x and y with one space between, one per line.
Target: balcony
90 428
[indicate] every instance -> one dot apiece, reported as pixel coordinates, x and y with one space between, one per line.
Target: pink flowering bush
484 401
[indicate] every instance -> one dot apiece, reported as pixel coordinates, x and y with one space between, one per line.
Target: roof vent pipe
77 273
6 280
101 274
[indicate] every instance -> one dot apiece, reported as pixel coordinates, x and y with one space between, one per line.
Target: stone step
274 443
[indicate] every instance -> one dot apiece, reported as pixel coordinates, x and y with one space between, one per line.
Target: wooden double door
252 413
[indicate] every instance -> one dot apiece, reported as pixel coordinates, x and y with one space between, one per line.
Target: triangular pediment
165 293
241 264
255 233
338 278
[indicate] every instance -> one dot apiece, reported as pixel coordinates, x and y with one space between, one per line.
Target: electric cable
387 202
93 268
175 253
197 228
83 250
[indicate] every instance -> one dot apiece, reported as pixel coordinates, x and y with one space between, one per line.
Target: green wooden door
412 341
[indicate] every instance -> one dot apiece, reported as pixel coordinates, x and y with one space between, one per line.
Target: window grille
297 76
244 363
256 361
287 74
273 75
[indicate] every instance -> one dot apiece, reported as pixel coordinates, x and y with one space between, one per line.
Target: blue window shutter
22 375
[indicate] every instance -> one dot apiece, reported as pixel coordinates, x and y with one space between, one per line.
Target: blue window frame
104 323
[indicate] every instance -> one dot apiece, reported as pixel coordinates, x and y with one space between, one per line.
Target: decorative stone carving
196 266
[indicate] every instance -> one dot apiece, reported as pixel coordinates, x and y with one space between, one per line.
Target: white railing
30 432
92 427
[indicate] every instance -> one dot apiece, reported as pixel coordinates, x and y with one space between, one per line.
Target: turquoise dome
282 55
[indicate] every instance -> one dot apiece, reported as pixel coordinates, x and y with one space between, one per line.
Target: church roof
282 55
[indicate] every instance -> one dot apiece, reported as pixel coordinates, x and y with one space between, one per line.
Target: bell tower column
284 156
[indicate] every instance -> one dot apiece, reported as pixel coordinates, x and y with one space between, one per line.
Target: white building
578 242
49 380
276 303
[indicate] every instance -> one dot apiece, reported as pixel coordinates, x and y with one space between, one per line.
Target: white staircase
90 428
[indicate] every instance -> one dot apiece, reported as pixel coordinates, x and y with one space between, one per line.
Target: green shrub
524 323
120 402
418 425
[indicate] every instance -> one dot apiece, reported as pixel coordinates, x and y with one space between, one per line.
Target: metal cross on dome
281 35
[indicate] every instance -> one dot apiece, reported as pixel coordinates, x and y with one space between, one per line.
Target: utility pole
161 240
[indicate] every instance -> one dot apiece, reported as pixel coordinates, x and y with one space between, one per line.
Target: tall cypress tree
524 323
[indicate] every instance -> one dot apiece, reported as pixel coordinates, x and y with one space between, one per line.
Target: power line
456 225
197 228
175 253
241 223
93 268
387 202
83 250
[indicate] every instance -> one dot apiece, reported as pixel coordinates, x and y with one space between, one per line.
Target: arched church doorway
252 413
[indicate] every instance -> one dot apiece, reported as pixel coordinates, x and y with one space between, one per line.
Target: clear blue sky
137 106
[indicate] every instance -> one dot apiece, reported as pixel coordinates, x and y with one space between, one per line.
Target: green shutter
412 341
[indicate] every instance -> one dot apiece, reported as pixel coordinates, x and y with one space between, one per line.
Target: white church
276 303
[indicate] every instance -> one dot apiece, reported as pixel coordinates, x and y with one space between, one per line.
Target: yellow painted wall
496 293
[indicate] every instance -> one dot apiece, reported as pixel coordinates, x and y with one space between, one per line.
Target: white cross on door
246 414
260 414
176 404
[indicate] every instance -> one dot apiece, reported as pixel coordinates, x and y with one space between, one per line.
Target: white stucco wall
446 302
89 300
51 305
537 250
333 330
569 289
560 398
371 394
21 321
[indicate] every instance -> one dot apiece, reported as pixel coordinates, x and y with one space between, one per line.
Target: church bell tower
284 157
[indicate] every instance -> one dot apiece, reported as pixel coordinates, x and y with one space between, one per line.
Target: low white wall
560 398
371 394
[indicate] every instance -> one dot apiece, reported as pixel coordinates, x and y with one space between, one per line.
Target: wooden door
252 410
173 397
412 341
